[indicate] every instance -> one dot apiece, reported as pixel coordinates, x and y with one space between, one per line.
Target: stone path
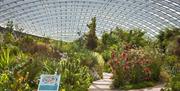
104 85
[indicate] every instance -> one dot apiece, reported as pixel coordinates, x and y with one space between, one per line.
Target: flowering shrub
133 66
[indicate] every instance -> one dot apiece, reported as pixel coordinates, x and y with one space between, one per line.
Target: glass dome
64 19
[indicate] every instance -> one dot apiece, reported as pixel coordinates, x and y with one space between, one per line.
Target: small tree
91 38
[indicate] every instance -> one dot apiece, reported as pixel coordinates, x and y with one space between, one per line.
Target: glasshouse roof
65 19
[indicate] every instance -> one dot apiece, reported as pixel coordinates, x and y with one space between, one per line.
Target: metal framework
63 19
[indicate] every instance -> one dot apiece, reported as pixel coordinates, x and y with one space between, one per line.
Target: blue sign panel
49 83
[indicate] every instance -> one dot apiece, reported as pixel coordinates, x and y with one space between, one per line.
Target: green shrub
6 59
74 77
171 64
106 55
92 60
107 68
4 81
175 83
9 38
33 68
155 71
165 76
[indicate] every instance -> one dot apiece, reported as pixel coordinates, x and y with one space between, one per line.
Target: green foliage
165 76
173 46
175 83
24 58
74 76
32 69
155 71
50 66
28 39
100 64
168 41
134 37
9 38
92 60
6 60
171 64
166 36
4 80
106 55
106 68
109 39
12 80
91 38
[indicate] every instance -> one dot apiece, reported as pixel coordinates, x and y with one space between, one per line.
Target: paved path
104 85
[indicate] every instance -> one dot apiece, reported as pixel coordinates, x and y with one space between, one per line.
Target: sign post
49 83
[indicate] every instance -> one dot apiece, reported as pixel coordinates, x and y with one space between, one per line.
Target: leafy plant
74 76
6 60
9 38
4 81
92 60
166 36
175 83
106 55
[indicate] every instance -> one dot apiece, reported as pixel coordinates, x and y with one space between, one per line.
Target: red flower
112 54
147 70
117 62
124 55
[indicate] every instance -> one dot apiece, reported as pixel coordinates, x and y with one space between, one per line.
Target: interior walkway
104 85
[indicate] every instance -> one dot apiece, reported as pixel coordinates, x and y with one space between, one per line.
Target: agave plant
6 59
